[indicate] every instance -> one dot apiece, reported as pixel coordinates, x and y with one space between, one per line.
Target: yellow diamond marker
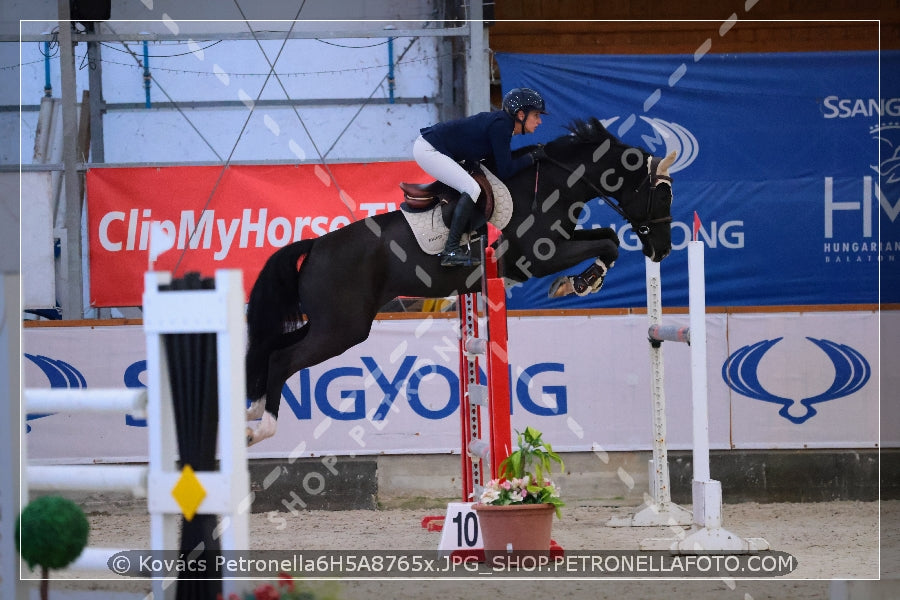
188 492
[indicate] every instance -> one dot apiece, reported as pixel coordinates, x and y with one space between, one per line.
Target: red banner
231 219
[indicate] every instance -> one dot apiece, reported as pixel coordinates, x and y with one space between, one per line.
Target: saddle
425 196
428 209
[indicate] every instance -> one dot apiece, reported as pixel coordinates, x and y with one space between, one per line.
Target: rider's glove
538 153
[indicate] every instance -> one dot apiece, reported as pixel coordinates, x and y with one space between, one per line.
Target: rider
440 148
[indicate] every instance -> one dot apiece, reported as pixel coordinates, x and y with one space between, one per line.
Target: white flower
489 495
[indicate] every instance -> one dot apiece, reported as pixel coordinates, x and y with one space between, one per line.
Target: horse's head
655 228
638 181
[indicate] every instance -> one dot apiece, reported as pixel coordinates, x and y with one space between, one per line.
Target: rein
643 227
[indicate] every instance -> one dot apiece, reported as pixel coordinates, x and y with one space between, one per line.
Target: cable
293 74
363 105
296 112
163 90
52 45
111 47
349 46
16 66
107 61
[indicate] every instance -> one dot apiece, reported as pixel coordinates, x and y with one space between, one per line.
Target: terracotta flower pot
515 527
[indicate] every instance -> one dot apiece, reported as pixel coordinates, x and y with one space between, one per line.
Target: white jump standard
658 509
227 491
706 533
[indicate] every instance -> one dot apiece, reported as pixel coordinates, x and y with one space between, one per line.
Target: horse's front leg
600 244
587 282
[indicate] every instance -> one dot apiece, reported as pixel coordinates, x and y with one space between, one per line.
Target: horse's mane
591 131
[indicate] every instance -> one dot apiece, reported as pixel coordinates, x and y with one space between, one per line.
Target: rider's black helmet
523 99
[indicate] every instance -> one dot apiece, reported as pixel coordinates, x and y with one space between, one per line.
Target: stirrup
458 257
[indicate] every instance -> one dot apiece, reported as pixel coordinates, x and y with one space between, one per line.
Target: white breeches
444 169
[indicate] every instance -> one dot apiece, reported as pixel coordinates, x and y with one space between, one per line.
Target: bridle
640 226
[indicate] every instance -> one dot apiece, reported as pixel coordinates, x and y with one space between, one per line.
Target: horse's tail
273 311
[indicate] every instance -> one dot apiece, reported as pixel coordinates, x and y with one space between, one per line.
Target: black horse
345 276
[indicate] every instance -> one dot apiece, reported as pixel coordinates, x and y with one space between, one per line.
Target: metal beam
447 109
95 82
83 167
461 31
478 91
72 301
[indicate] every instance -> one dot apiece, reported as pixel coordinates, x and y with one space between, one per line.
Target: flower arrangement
525 475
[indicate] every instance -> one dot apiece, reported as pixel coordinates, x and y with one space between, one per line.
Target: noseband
640 226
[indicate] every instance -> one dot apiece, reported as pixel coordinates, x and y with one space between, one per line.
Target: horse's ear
663 167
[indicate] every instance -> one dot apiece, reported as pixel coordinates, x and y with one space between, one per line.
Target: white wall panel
584 381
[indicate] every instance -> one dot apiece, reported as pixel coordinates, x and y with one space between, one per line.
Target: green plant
525 474
51 532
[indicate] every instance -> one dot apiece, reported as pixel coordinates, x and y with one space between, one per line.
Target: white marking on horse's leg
266 429
561 286
256 409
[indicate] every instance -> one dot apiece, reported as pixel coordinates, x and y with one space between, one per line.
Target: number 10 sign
461 531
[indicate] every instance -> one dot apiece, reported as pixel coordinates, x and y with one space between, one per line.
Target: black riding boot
453 255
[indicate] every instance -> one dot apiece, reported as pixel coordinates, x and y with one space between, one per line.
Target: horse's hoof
562 286
255 410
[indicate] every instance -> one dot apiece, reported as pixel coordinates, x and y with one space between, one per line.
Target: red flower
286 581
266 592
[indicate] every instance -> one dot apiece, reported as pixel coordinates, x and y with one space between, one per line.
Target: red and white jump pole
483 446
483 449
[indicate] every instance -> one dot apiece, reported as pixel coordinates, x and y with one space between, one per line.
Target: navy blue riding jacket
485 135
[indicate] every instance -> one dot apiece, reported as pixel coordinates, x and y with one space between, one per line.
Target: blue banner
790 160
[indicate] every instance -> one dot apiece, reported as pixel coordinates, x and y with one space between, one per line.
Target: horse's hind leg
317 346
256 409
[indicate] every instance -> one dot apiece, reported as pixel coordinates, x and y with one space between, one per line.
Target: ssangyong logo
851 372
59 373
664 134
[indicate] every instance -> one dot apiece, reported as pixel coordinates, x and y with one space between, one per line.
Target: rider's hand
538 153
471 166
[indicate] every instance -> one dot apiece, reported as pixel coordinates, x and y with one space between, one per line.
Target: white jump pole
130 401
706 533
697 320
